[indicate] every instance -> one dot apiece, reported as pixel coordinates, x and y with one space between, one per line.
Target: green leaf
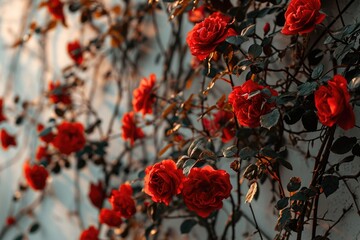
271 119
348 159
45 132
294 184
339 51
246 153
354 84
285 98
343 145
285 164
307 88
248 31
141 174
267 151
237 40
330 184
356 150
318 70
299 196
255 50
188 165
285 216
19 237
310 120
282 203
230 151
34 227
187 225
207 154
195 145
293 115
250 172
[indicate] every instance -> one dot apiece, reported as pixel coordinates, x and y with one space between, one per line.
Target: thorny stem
319 167
256 224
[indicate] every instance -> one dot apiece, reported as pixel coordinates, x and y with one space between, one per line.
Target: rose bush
91 125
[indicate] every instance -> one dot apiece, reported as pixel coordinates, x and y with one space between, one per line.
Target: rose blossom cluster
68 139
122 206
202 191
143 101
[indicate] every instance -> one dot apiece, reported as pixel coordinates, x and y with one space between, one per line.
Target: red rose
333 104
143 98
35 176
110 217
2 115
163 180
249 104
7 140
90 234
197 15
42 154
75 52
10 220
266 28
70 137
205 189
59 93
55 8
96 194
48 138
121 200
208 34
301 16
222 120
129 129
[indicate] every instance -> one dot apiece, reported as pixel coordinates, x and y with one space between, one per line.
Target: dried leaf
168 110
251 192
174 129
188 103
